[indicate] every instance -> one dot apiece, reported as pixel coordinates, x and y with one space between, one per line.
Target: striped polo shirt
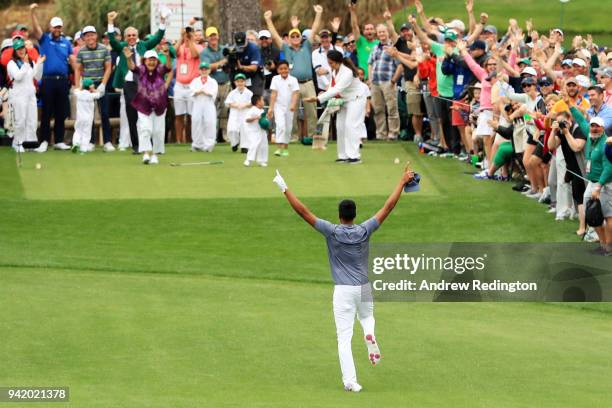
93 61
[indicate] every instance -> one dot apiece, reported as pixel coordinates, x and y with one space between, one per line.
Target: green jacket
142 46
601 168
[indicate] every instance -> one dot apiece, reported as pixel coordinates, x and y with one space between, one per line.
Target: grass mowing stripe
10 178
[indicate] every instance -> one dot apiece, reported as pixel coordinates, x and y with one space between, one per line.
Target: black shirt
402 47
571 157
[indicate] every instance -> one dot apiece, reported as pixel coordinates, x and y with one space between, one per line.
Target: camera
562 125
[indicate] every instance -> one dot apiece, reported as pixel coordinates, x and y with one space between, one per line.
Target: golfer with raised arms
348 250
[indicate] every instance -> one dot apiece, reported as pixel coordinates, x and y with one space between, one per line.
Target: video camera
231 51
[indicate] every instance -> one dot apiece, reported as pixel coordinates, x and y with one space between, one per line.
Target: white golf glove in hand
101 88
280 182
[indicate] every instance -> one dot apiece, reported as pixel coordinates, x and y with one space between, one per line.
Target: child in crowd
239 101
283 102
204 90
255 129
85 110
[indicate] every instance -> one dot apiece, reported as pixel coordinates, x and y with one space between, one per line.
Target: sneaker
432 154
483 175
552 210
352 387
122 148
527 192
545 195
341 160
285 153
247 163
42 148
562 215
154 159
263 164
354 161
234 148
195 149
373 350
418 139
61 146
108 147
277 152
591 236
535 195
145 158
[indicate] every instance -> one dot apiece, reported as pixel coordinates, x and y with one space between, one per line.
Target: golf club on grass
197 163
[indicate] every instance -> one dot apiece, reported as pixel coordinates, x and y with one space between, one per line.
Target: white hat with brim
6 43
529 71
56 22
87 30
264 33
579 61
583 81
150 54
597 121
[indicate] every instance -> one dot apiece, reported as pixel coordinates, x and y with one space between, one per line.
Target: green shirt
364 48
299 60
601 168
445 82
211 56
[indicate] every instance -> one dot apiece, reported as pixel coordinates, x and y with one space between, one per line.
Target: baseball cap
16 34
18 43
88 29
605 72
150 54
529 71
239 76
579 61
597 121
526 61
240 38
306 33
571 80
490 29
567 62
294 31
558 30
545 81
477 85
583 81
457 25
6 43
77 35
478 45
86 83
528 81
56 22
450 35
346 40
211 31
323 32
264 33
406 26
21 27
204 64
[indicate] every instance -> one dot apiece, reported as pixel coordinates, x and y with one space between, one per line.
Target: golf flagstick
204 163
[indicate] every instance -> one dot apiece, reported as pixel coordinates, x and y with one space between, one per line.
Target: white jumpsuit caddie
237 116
257 138
22 99
283 117
204 113
85 111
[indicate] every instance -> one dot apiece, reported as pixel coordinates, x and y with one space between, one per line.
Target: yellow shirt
561 106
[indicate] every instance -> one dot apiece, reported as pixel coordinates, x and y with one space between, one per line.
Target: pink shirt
480 74
187 66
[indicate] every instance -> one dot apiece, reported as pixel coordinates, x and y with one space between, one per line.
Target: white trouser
82 129
234 137
124 127
347 303
151 127
552 179
203 124
363 131
349 121
25 117
258 147
283 118
564 190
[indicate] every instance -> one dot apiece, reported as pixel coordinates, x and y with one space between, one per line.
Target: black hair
255 98
282 62
338 57
347 210
596 88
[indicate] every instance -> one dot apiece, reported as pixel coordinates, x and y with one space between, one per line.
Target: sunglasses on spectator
595 125
296 36
493 64
527 85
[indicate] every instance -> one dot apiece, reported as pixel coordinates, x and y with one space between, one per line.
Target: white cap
457 24
264 33
597 121
6 43
558 30
579 62
583 81
88 29
77 36
150 54
306 33
529 71
56 22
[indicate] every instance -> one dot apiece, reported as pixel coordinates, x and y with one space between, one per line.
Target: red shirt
427 70
7 54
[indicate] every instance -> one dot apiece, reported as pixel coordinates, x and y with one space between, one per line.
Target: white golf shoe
42 148
373 350
108 147
145 158
352 387
247 163
61 146
154 159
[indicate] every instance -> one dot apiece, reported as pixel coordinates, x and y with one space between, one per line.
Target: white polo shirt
284 89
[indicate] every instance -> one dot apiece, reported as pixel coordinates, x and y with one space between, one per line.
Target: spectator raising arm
37 31
275 36
417 30
354 21
389 21
316 24
405 59
469 7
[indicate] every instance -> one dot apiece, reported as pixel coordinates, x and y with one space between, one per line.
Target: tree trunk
238 15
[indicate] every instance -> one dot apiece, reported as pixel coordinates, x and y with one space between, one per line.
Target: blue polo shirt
57 51
251 55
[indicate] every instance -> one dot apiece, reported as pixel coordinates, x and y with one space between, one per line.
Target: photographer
187 68
567 134
244 58
213 55
271 56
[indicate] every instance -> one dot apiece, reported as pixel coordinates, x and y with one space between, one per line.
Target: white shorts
182 99
483 128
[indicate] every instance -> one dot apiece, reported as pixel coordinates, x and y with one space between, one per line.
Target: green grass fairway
144 286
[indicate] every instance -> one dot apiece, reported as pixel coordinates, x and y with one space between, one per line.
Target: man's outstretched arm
296 204
384 212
